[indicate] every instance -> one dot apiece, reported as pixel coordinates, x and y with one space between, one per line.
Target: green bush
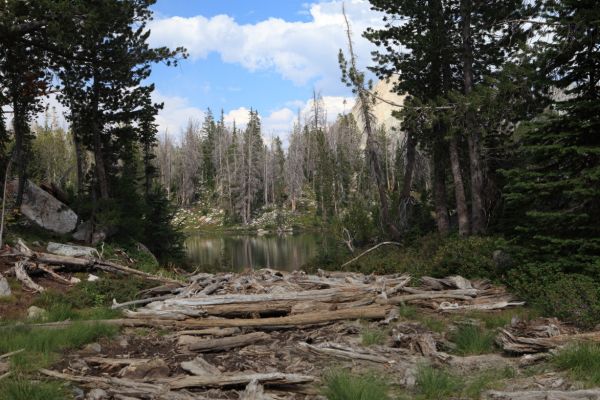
573 298
470 257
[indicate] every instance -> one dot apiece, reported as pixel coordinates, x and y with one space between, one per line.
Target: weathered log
254 391
369 312
54 275
200 367
588 394
22 276
226 343
12 353
116 362
527 345
237 379
217 332
447 306
344 353
116 305
326 295
425 296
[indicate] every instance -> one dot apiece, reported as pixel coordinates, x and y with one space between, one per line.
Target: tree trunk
439 192
473 135
97 142
403 203
459 189
19 127
79 162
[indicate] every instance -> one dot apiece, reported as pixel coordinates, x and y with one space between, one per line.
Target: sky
264 54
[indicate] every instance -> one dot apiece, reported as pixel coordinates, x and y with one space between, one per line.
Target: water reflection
237 252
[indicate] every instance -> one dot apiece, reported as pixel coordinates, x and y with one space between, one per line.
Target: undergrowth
472 340
23 389
370 336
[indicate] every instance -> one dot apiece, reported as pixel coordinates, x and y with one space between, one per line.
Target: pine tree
553 194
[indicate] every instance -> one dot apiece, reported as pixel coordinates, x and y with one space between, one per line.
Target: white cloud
298 51
176 113
240 116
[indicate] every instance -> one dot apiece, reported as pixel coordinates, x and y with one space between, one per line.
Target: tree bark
97 141
459 189
473 135
439 192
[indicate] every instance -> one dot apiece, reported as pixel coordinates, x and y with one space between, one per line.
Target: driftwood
589 394
217 332
254 391
12 353
527 345
345 353
200 367
116 305
237 379
370 250
24 277
53 274
207 345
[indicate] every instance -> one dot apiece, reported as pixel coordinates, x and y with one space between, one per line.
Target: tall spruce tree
553 193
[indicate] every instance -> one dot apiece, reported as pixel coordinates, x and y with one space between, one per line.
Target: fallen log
12 353
346 354
24 277
425 296
116 305
217 332
588 394
529 345
226 343
254 391
368 312
325 295
447 306
237 379
54 275
200 367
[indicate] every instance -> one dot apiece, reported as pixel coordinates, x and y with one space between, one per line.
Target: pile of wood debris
271 335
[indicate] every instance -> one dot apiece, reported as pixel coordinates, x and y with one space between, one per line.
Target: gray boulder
4 287
84 233
45 210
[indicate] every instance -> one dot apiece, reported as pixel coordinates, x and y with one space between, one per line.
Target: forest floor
271 335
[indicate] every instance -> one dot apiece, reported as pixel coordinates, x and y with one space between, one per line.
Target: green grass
493 320
23 389
372 337
472 340
434 384
41 344
407 312
343 385
581 362
433 324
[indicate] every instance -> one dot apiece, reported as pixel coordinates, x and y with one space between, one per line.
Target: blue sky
268 55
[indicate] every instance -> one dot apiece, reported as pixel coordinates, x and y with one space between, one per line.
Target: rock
93 278
123 342
97 394
78 393
70 250
4 287
153 369
34 312
45 210
502 261
79 364
74 280
92 348
84 233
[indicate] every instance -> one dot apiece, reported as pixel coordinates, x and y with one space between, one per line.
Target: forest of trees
499 129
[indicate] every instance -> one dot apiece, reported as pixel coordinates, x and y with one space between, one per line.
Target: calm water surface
235 252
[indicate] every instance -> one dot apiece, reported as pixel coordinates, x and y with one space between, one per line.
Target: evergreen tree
553 194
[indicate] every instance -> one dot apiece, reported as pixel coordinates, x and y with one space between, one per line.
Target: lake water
235 252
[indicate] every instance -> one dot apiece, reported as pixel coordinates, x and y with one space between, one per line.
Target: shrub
471 257
573 298
342 385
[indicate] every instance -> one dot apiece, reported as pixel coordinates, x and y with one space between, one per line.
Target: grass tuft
472 340
581 361
23 389
371 337
407 312
343 385
434 384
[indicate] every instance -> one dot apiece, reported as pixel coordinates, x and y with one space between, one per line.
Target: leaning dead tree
355 79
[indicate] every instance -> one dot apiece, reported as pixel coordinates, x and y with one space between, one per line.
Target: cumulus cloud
301 52
176 113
